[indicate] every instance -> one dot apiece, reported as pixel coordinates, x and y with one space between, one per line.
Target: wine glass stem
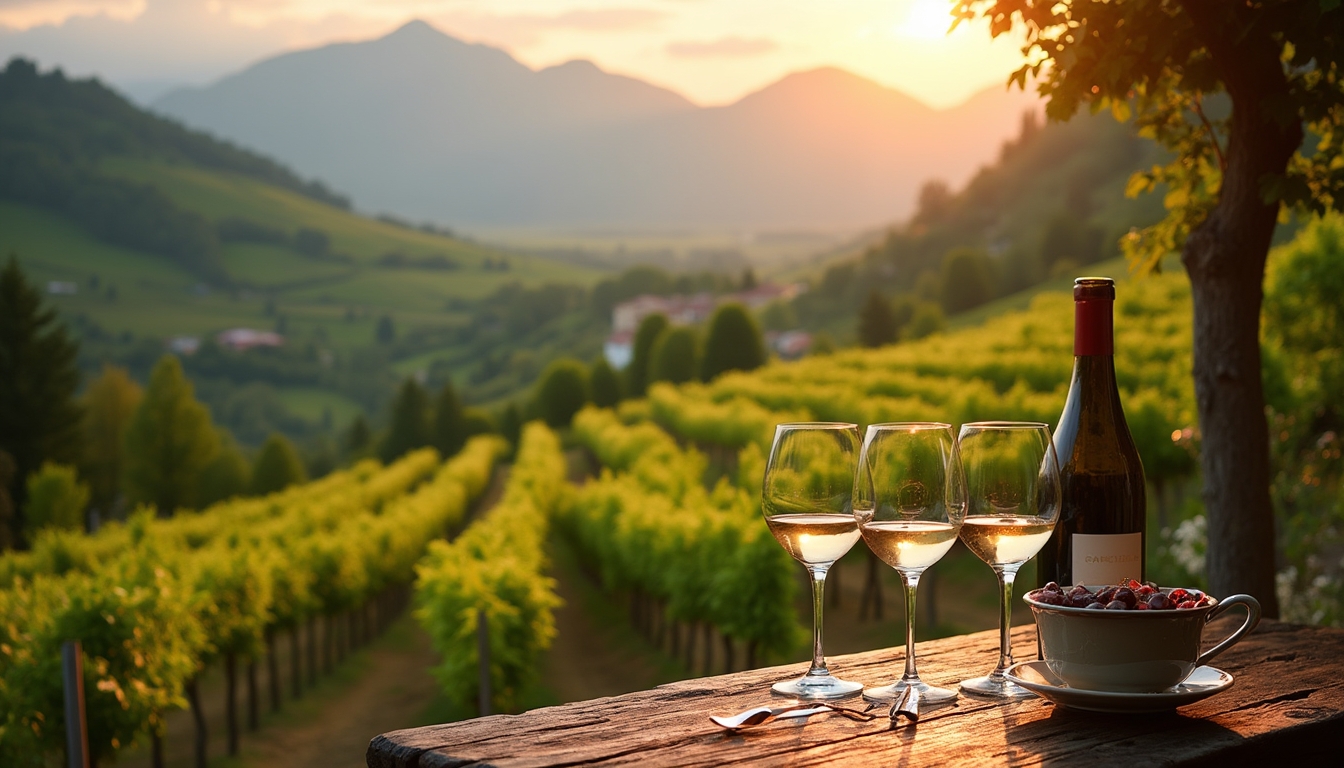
1007 575
818 599
911 583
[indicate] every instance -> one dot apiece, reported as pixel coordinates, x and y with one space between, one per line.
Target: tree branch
1213 136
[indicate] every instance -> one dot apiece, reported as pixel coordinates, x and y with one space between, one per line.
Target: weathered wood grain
1287 703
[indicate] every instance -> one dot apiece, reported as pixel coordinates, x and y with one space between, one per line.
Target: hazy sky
712 51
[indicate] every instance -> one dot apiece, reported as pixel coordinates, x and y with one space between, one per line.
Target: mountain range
426 126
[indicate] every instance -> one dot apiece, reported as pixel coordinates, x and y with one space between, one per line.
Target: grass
333 304
310 404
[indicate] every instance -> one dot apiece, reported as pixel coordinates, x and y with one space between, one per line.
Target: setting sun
928 19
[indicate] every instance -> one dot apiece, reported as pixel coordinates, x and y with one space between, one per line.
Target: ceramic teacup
1131 651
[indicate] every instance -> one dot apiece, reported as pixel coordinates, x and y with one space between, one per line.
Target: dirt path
596 652
385 687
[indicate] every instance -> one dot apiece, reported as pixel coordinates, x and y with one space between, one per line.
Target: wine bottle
1100 536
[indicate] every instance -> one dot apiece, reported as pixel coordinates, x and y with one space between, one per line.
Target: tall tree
604 383
358 438
733 342
563 390
410 422
968 279
637 374
39 419
169 442
877 323
278 466
675 356
1279 63
9 525
450 432
226 476
109 403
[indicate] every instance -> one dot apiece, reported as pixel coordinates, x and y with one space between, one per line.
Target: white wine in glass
909 500
1013 500
806 499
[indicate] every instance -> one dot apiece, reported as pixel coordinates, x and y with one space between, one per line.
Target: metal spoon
906 705
762 715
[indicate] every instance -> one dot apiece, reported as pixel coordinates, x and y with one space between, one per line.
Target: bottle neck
1093 327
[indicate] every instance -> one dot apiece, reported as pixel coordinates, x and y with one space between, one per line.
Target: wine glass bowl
909 501
806 498
1012 504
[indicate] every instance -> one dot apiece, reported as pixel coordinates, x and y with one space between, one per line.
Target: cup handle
1252 619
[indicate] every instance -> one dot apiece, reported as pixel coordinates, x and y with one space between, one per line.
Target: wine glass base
928 694
813 687
992 687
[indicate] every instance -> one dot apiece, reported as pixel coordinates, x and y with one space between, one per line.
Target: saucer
1036 677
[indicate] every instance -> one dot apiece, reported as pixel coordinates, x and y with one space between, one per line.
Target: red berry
1180 595
1144 591
1187 604
1141 606
1132 584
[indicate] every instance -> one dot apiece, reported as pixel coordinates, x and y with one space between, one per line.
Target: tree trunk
198 717
231 702
1225 258
312 651
708 645
253 709
156 749
295 661
272 669
328 644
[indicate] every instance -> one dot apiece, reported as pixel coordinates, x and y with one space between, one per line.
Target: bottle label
1105 559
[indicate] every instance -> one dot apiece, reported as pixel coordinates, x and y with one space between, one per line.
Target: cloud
23 14
724 47
604 20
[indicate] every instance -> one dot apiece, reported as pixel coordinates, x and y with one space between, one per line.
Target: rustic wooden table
1287 703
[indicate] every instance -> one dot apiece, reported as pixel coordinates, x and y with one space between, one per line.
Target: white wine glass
909 500
1013 501
806 500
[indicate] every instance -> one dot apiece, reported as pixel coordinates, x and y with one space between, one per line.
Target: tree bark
231 702
1225 258
295 660
155 749
253 710
198 718
272 669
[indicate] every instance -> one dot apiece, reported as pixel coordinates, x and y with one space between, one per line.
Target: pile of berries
1128 595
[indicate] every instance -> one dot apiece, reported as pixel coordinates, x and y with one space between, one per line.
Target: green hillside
163 232
1052 205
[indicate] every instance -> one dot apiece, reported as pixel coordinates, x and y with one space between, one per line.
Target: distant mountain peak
574 65
417 28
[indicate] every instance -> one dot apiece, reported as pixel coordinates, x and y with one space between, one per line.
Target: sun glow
927 19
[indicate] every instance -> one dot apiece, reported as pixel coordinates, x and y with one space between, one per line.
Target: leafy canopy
1154 61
